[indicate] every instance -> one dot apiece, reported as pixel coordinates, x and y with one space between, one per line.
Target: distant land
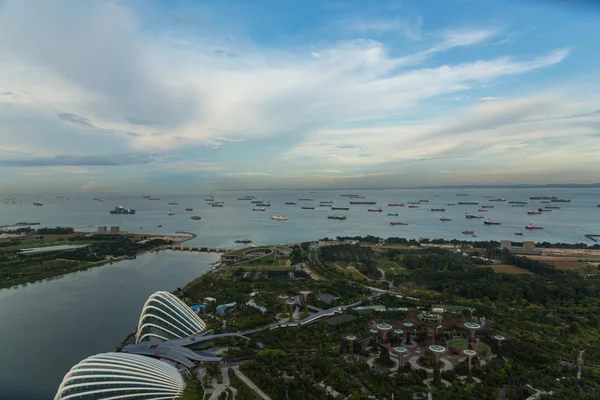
507 186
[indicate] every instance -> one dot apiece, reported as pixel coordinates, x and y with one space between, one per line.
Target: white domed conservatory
110 376
165 317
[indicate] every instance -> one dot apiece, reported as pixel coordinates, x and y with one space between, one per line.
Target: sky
157 96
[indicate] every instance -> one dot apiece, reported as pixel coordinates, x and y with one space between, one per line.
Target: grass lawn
508 269
389 266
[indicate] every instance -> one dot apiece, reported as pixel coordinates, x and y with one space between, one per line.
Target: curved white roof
111 376
165 317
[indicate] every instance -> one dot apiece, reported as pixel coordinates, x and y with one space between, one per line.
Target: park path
248 382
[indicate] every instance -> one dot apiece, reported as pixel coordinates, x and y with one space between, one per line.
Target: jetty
199 249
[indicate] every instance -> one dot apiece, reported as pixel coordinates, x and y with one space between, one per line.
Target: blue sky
182 95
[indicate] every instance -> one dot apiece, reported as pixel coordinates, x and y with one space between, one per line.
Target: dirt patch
508 269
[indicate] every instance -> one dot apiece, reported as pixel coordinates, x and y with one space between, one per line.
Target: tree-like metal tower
470 354
499 339
430 321
305 293
472 327
437 351
384 353
408 325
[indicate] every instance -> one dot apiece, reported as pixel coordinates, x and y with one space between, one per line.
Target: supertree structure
400 351
470 354
408 325
351 339
384 353
499 339
472 327
291 303
430 321
437 351
305 293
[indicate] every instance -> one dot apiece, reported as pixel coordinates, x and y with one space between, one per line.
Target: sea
221 226
47 327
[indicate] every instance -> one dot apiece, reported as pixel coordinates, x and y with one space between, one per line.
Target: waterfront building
121 376
165 317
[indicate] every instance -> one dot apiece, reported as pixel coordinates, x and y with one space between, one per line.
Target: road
251 384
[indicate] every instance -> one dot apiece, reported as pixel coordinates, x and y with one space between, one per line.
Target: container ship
398 223
464 203
122 210
196 217
259 209
363 202
340 208
490 222
395 204
246 198
375 209
307 207
245 241
533 212
532 227
291 203
445 219
279 217
336 217
498 199
560 201
470 215
517 202
543 198
438 209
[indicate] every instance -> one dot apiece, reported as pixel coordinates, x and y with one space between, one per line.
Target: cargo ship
532 227
196 217
468 232
438 209
424 201
471 215
398 223
543 198
264 204
445 219
395 204
326 202
544 210
189 209
259 209
279 217
413 206
153 198
346 208
122 210
490 222
217 204
498 199
256 201
307 207
243 240
336 217
482 210
413 202
173 204
291 203
305 199
363 202
375 209
211 199
170 213
348 195
461 194
533 212
519 233
464 203
38 203
487 206
517 202
518 205
560 201
246 198
325 205
450 204
393 214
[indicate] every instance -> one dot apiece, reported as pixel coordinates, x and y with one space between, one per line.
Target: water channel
47 327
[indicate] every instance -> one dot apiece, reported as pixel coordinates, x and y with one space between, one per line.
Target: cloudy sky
115 95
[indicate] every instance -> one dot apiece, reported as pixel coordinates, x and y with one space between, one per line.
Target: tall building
165 317
121 376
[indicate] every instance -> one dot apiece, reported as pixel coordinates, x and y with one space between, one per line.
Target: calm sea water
220 227
47 327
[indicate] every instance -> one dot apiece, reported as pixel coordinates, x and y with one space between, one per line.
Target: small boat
468 232
217 204
438 209
173 204
38 203
413 206
346 208
243 240
533 212
519 233
398 223
259 209
393 214
211 198
196 217
395 204
530 226
474 235
279 217
336 217
170 213
375 209
445 219
291 203
189 209
490 222
482 210
160 226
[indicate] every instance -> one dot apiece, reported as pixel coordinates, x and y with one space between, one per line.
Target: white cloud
90 185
